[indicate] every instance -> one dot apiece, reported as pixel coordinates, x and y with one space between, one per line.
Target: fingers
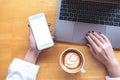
96 39
100 38
92 42
49 24
31 33
28 25
105 38
91 49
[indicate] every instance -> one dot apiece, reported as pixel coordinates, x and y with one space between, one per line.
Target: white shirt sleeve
22 70
110 78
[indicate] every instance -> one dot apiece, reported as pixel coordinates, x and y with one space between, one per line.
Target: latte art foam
71 60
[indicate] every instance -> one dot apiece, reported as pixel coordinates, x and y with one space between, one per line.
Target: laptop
76 17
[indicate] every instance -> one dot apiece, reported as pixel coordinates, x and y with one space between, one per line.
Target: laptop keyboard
90 12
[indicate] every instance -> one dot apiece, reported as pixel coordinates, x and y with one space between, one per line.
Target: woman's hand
102 50
33 45
33 52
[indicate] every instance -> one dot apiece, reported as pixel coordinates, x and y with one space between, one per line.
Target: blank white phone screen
41 31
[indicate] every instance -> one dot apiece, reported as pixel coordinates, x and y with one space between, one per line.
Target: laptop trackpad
81 29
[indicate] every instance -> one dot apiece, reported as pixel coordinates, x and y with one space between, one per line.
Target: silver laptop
76 17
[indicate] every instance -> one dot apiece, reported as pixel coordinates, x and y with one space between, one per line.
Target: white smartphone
41 31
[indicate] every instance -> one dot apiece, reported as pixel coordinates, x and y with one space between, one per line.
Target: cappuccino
71 60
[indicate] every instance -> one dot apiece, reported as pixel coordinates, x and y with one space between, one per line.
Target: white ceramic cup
74 55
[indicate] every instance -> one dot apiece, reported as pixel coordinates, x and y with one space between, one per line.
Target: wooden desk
14 42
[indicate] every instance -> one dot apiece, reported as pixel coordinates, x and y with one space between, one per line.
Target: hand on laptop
102 50
33 52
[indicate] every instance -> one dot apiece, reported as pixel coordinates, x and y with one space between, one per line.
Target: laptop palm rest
111 32
81 29
64 31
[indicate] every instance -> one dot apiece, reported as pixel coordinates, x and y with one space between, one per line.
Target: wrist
113 69
34 50
32 56
111 64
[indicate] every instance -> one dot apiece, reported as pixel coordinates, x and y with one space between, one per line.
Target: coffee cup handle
82 70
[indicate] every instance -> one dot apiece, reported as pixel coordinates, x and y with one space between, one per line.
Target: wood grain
14 42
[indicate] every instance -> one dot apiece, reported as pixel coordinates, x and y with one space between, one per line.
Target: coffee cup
72 61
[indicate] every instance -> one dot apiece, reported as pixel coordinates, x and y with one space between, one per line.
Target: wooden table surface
14 42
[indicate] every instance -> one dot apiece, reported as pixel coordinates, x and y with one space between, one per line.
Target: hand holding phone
41 31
